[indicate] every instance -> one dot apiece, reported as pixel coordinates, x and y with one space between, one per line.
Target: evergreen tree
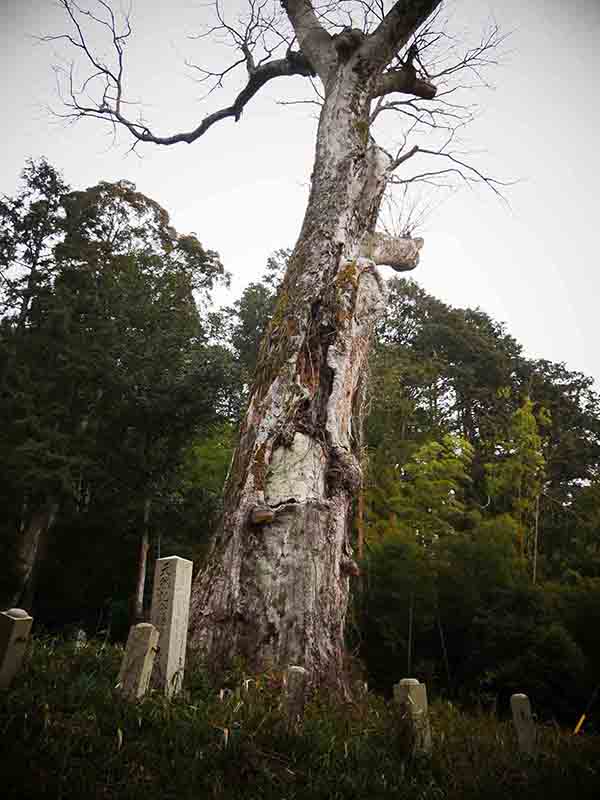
108 372
516 476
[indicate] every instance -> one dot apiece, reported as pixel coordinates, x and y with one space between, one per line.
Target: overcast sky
243 187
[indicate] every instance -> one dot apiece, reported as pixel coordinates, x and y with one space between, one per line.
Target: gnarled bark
275 590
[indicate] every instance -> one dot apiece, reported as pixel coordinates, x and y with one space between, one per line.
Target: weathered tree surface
36 528
275 590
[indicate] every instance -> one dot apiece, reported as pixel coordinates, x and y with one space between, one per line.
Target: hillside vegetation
67 734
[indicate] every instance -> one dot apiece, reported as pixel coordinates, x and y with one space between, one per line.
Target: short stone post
411 698
296 680
138 660
524 724
170 615
15 626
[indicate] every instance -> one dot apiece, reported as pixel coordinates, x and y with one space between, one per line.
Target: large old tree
275 588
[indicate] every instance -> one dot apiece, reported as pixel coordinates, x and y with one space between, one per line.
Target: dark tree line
106 371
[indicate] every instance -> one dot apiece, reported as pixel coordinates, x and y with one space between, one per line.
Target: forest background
121 385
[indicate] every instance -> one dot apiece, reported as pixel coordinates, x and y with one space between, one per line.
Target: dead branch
417 81
435 56
108 79
405 82
466 172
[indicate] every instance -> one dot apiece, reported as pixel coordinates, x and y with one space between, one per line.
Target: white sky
242 188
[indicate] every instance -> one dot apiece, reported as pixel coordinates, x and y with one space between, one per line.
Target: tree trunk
138 599
275 589
30 551
409 648
536 537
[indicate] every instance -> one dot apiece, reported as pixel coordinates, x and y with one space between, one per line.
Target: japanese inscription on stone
170 615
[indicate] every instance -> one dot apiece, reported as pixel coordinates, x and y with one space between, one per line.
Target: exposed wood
400 253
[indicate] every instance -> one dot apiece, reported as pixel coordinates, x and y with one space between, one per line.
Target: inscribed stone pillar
411 698
170 614
15 625
296 679
138 660
524 723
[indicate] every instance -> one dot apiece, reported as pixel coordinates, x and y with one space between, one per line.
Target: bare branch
442 60
317 103
460 168
406 82
406 88
475 59
108 78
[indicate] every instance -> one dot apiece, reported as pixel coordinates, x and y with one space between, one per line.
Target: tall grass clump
66 733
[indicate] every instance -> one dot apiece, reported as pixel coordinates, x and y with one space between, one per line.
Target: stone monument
411 698
295 688
170 614
15 626
138 660
524 723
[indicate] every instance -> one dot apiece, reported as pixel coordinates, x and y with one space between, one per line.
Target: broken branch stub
400 253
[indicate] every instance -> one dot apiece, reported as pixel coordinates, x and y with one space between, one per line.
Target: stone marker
80 639
295 682
524 723
15 625
411 698
170 614
295 679
138 660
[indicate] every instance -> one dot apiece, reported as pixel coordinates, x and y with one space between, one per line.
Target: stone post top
295 668
175 558
408 682
518 697
144 625
16 613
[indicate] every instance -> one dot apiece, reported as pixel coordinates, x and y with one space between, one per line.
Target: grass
66 733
